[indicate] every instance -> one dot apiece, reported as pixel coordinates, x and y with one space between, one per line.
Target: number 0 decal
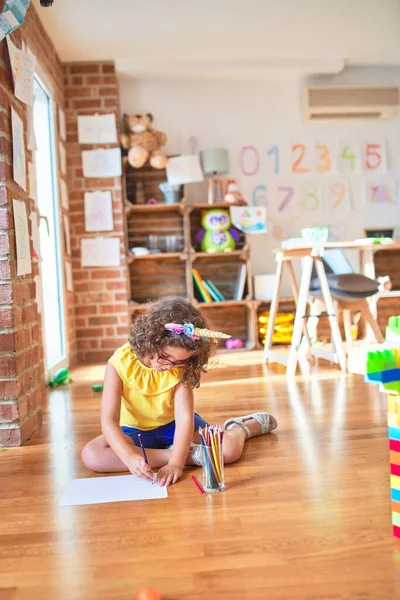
249 160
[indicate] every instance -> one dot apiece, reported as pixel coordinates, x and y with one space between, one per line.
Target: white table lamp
215 162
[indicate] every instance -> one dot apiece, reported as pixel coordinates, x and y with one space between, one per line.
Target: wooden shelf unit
170 274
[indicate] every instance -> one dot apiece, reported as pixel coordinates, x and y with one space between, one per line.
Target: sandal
268 423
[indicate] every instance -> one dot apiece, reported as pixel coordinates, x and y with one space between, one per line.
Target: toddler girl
148 391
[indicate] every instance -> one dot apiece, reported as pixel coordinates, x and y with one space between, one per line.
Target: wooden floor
305 516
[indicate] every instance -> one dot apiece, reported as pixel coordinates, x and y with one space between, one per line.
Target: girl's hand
139 467
168 474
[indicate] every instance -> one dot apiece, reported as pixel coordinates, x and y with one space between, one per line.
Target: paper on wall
24 264
12 16
100 490
382 193
100 252
64 194
98 211
67 236
184 169
19 165
62 130
23 66
338 197
102 163
97 129
32 181
69 284
63 158
249 219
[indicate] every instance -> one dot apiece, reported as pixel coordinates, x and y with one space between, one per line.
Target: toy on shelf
393 330
143 142
217 233
283 328
60 377
233 194
383 367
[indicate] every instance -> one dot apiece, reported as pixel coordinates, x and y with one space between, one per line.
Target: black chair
349 292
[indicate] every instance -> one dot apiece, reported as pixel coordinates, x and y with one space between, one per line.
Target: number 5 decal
375 157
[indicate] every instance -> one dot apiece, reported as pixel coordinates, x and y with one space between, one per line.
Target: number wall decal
255 160
260 194
288 193
300 151
274 151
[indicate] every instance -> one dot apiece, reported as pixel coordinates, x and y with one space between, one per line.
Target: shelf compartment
155 208
195 216
222 270
233 319
152 279
142 224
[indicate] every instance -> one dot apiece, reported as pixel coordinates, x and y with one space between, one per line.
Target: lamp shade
215 160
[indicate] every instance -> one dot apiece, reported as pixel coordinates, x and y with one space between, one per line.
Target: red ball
148 594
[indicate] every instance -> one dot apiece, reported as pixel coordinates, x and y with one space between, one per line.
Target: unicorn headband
195 332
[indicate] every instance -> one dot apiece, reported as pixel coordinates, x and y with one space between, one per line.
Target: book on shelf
209 289
240 282
216 291
204 294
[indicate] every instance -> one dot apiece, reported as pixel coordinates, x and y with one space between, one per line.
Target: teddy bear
142 141
233 194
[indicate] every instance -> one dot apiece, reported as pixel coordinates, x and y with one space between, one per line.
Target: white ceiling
225 38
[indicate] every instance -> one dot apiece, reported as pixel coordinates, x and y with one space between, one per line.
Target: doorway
51 273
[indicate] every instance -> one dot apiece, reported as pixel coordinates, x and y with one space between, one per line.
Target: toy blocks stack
383 367
393 330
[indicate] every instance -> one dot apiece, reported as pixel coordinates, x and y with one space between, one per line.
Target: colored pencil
198 485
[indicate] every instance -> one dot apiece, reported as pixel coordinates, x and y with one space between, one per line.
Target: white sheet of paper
382 193
38 292
250 219
7 23
64 194
374 157
102 163
23 66
100 490
338 196
63 158
100 252
97 129
24 263
184 169
349 158
69 283
32 181
19 164
98 211
62 129
67 235
35 234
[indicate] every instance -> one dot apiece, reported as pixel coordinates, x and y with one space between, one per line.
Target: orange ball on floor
148 594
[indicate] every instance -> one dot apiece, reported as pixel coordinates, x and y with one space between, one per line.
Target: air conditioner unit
337 102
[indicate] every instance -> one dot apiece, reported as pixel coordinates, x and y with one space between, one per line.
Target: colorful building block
383 368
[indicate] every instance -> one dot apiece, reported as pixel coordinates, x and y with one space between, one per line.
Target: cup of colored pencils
211 438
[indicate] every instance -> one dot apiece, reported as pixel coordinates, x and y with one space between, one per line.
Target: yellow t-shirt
148 395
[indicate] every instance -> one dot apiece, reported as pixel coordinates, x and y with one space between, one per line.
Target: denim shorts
161 437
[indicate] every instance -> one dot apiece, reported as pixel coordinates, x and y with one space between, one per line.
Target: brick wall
101 294
21 349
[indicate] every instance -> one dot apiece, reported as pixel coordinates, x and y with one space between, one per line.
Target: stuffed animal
233 194
143 142
216 234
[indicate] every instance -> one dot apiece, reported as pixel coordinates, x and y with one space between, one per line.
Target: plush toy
232 194
216 234
143 142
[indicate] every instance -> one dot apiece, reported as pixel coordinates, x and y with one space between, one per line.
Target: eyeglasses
162 359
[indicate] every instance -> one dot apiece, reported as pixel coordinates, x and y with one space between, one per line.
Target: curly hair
148 335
